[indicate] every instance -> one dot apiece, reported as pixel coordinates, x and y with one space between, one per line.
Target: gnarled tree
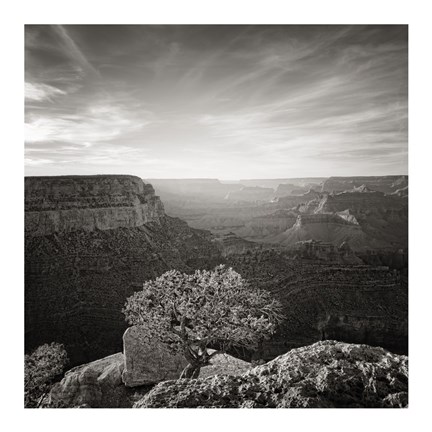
207 309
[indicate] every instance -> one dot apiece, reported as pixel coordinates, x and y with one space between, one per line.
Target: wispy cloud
41 92
72 49
95 123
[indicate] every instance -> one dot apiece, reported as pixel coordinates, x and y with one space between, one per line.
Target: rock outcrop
148 362
333 228
95 385
231 243
327 374
261 227
383 218
73 203
83 258
101 383
224 364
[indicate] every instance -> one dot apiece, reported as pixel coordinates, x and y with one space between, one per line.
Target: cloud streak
41 92
74 51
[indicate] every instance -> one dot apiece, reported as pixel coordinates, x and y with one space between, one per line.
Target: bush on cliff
41 368
191 313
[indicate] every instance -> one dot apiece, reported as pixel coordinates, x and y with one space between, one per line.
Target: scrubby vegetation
41 368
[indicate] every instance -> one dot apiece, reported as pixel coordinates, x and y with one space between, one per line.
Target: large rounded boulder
95 385
326 374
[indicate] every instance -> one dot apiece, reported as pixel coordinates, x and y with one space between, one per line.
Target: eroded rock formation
90 243
95 385
323 375
100 384
73 203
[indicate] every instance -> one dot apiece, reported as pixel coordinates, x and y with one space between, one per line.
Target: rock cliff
325 227
350 303
90 242
324 375
73 203
261 227
383 218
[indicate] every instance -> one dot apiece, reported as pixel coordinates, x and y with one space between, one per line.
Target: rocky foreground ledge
327 374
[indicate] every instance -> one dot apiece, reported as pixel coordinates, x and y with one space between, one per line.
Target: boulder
224 364
327 374
148 361
94 385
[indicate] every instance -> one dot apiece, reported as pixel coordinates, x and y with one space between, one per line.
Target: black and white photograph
216 216
218 204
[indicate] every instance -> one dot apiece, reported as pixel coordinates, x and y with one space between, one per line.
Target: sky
225 102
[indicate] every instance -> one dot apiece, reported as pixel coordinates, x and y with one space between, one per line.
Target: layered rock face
289 202
383 218
327 374
326 227
261 227
367 220
66 204
386 184
232 244
351 303
77 277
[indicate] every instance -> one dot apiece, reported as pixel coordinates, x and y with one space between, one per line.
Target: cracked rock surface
327 374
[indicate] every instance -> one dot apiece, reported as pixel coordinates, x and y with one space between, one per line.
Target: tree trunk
191 371
40 400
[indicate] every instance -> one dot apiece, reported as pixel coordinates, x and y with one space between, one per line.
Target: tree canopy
191 313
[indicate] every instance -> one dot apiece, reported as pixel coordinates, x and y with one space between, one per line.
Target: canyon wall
90 243
386 184
350 303
71 203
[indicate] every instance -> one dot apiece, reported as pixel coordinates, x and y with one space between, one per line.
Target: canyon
91 241
375 209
